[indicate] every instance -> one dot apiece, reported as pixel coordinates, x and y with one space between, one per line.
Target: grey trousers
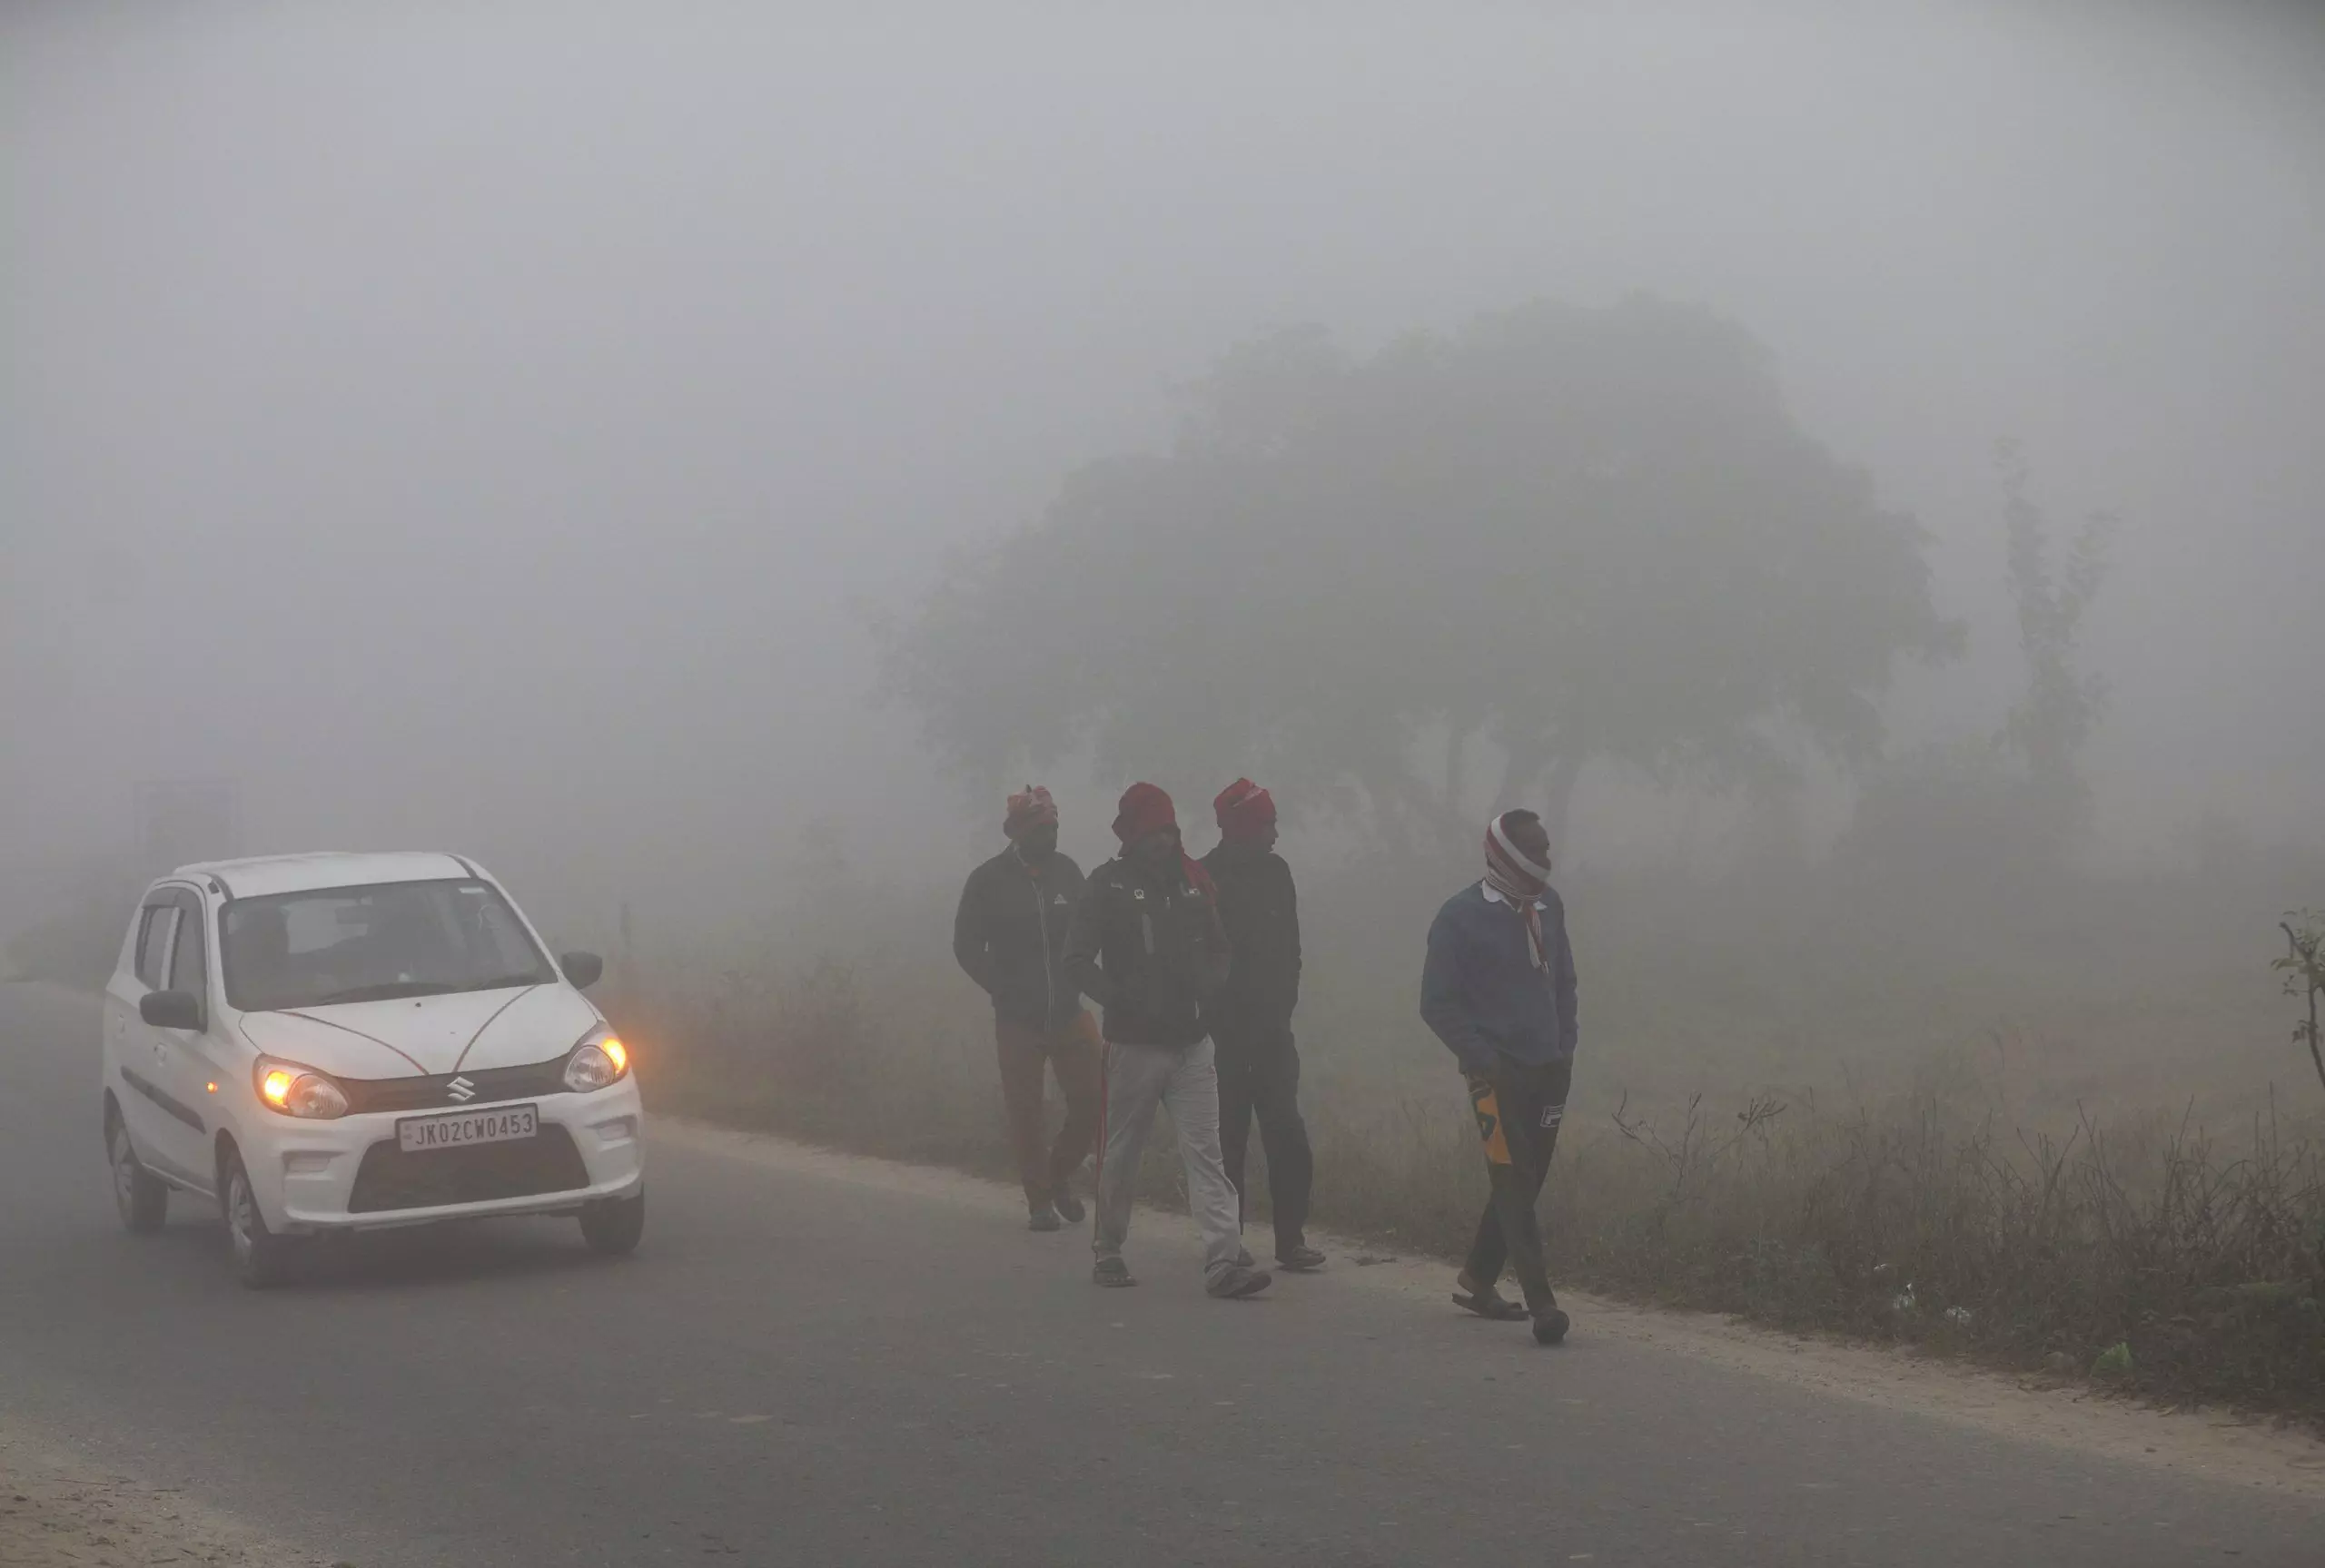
1184 1082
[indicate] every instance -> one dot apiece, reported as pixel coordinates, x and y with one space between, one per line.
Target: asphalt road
804 1370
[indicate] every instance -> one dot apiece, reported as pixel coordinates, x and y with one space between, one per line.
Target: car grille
486 1086
388 1178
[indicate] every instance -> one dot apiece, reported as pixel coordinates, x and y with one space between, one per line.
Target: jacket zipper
1049 978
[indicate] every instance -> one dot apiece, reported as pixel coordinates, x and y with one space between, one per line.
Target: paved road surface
797 1370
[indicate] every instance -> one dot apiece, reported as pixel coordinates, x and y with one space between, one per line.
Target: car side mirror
583 969
171 1009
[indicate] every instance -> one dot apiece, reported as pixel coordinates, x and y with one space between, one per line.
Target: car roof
274 873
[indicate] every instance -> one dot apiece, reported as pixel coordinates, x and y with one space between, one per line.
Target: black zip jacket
1259 909
1148 950
1009 934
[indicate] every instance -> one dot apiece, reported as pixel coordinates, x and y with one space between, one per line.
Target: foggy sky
483 426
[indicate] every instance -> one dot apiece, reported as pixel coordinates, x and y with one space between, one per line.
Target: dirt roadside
60 1511
2219 1448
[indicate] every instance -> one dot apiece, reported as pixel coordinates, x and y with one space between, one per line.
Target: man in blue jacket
1499 990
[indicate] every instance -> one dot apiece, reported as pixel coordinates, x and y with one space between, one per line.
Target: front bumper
348 1174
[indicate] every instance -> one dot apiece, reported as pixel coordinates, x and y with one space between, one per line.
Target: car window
189 966
154 943
349 944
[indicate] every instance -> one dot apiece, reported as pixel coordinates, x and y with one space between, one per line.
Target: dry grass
1932 1214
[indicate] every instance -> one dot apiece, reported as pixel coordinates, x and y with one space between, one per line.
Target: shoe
1551 1327
1113 1273
1240 1282
1070 1207
1302 1259
1044 1218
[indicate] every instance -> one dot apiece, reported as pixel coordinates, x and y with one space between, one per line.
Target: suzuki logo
462 1089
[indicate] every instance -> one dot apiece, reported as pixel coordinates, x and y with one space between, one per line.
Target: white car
334 1042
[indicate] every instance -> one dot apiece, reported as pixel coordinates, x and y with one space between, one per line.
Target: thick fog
499 427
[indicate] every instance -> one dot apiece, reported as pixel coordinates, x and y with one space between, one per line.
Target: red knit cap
1145 809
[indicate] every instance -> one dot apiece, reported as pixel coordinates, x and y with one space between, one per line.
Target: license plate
464 1128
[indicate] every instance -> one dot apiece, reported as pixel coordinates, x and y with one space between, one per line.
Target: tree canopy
1442 578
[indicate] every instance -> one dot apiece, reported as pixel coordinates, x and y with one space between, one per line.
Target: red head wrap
1146 809
1245 809
1029 808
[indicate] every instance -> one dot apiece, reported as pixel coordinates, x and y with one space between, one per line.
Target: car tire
613 1226
261 1258
141 1196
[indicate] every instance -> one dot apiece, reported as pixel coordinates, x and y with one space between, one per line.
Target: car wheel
142 1197
614 1225
262 1260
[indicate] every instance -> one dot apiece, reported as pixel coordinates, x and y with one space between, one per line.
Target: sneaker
1112 1273
1551 1327
1070 1207
1240 1282
1300 1259
1044 1218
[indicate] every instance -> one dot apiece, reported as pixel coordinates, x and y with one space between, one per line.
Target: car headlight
596 1062
295 1090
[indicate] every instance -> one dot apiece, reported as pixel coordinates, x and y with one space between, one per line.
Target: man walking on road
1009 934
1499 990
1147 947
1250 1023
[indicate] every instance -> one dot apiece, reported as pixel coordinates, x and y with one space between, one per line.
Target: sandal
1491 1304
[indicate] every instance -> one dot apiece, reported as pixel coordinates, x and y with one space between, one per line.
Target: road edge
59 1507
2220 1448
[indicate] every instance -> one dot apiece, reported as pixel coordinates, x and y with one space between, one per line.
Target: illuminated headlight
295 1090
595 1063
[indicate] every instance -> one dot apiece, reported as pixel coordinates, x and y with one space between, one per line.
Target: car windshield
398 939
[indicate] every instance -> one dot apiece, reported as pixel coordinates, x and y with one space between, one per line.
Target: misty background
502 428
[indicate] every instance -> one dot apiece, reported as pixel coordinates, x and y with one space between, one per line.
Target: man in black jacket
1250 1021
1147 947
1009 934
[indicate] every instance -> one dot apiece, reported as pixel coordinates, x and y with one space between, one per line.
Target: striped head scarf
1519 880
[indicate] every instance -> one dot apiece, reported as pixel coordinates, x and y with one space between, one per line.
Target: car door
185 1059
135 1044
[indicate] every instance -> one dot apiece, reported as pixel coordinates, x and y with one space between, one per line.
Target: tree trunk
1557 801
1522 766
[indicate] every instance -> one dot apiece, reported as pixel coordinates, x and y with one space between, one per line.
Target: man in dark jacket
1147 947
1009 934
1250 1022
1499 990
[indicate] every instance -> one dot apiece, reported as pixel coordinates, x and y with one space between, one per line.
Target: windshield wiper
502 982
385 990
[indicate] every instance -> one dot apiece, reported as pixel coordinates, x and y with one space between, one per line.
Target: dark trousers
1518 1109
1258 1076
1071 1053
